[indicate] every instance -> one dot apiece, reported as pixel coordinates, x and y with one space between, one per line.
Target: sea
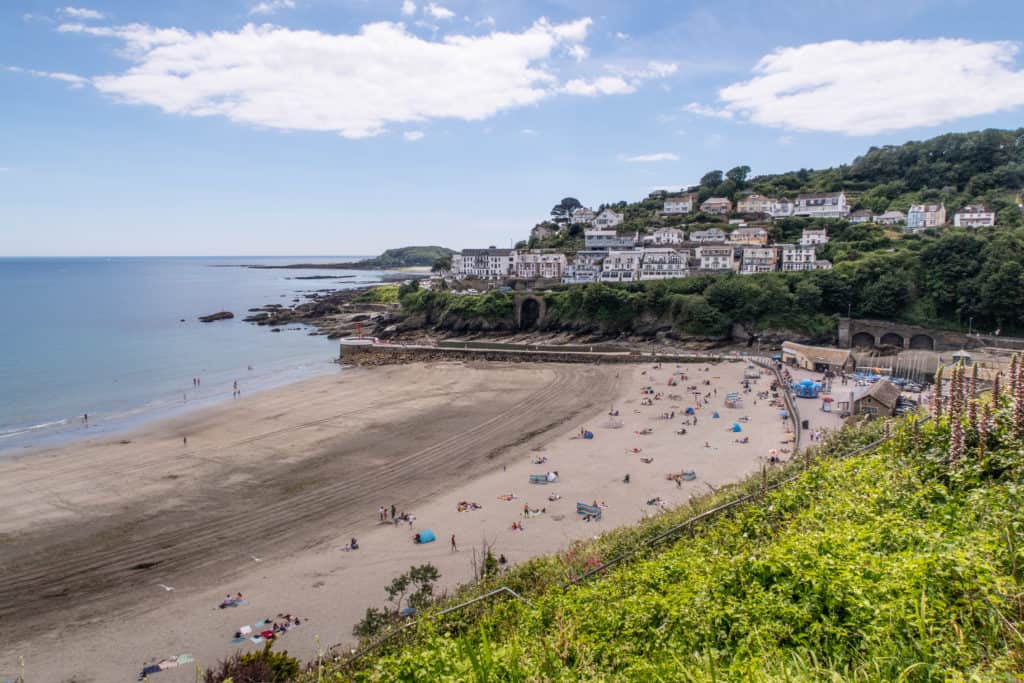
118 339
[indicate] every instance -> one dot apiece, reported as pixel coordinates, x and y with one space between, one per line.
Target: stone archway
922 341
530 311
891 339
863 340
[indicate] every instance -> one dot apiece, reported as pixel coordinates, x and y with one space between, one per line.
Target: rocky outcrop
222 315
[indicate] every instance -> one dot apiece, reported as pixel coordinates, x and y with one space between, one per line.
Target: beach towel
256 639
236 641
185 659
245 630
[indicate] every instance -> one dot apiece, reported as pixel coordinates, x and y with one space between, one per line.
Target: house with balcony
622 266
608 219
582 216
675 206
585 267
604 240
862 216
923 216
710 235
759 260
802 257
974 216
484 264
755 203
664 264
782 208
665 236
891 218
716 257
537 263
813 238
753 236
716 206
822 205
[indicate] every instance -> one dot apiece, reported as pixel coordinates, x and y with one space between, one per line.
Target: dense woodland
947 278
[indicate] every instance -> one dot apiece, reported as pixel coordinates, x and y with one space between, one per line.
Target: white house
680 205
800 257
822 205
891 218
710 235
811 238
749 236
484 264
974 216
863 216
622 266
755 203
716 257
924 216
782 208
662 264
540 264
585 267
608 219
759 260
607 239
716 206
663 236
582 216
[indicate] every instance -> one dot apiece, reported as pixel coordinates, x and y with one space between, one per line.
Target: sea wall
386 354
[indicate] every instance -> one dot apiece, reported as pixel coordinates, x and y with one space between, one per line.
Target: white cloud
866 88
785 139
622 36
704 110
29 17
413 135
438 12
270 6
309 80
528 131
604 85
81 13
578 52
408 8
647 158
486 21
72 79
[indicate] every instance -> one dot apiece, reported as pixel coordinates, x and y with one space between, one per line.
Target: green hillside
903 563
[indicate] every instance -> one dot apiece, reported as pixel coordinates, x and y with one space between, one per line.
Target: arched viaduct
855 333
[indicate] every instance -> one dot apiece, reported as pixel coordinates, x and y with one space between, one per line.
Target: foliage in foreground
903 564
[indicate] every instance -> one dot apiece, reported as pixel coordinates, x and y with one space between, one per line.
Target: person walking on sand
85 419
392 511
184 441
455 548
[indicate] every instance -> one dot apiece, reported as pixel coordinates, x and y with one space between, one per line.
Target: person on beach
184 441
455 548
392 511
85 419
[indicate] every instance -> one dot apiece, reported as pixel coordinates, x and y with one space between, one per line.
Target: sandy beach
269 489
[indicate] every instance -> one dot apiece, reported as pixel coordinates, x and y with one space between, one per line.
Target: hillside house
800 257
755 203
716 206
665 236
812 238
582 216
621 266
783 208
863 216
585 267
759 260
719 257
891 218
974 216
608 219
680 205
605 240
711 235
537 263
822 205
663 264
924 216
484 264
754 236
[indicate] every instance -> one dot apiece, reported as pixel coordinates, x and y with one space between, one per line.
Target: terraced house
663 264
759 260
680 205
719 257
484 264
822 205
621 266
537 263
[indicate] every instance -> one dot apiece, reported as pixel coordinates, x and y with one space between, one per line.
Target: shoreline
270 487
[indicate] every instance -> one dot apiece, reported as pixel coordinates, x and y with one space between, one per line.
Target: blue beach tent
736 427
426 536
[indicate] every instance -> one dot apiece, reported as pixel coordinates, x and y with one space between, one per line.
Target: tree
738 175
562 211
420 580
442 263
711 179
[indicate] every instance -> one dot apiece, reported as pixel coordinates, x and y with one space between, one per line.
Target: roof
883 391
683 198
818 195
749 231
717 200
973 208
821 354
926 207
862 212
893 214
486 252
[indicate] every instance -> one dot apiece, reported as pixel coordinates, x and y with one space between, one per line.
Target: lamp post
970 326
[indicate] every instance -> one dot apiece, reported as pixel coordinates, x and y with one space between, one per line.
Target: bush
265 666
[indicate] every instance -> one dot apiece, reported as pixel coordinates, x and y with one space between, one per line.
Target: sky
321 127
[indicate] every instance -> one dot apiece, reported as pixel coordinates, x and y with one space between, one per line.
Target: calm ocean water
103 336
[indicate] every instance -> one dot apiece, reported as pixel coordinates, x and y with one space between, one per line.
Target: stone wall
390 355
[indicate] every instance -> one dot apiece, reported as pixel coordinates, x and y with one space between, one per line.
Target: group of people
230 601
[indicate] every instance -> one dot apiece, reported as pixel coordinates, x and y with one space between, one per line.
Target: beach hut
425 536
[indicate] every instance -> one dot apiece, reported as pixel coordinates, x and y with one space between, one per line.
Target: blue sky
188 127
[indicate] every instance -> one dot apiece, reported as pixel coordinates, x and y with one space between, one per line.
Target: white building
800 257
863 216
663 236
663 264
716 206
622 266
607 239
540 264
891 218
608 219
749 236
974 216
812 238
822 205
755 203
924 216
582 216
716 257
710 235
680 205
484 264
759 260
782 208
585 267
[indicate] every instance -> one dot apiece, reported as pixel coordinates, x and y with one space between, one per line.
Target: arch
863 339
891 339
529 313
922 341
